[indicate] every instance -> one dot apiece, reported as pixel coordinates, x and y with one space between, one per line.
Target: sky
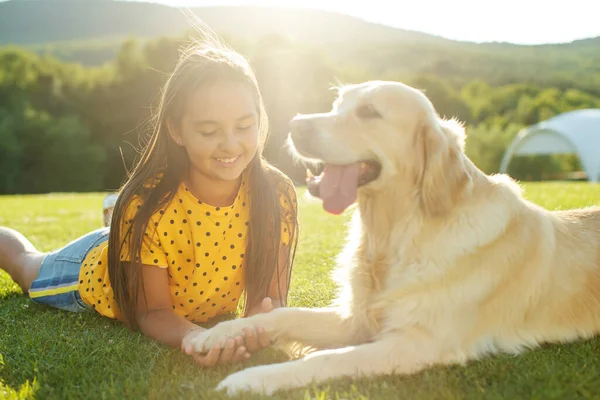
515 21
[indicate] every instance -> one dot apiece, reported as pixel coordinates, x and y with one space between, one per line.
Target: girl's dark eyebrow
207 122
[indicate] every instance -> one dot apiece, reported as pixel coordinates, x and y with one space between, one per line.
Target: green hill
66 20
91 32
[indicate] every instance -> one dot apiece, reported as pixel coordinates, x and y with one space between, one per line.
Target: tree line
66 126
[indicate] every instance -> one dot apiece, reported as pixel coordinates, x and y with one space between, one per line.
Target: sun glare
516 21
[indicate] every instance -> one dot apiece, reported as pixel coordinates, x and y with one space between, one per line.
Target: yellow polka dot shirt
203 247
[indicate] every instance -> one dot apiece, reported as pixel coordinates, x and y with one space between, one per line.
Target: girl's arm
280 286
258 340
155 315
157 320
289 213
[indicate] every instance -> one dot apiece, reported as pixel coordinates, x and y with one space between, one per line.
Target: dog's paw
264 380
219 334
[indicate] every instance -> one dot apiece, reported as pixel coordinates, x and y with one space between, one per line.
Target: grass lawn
50 354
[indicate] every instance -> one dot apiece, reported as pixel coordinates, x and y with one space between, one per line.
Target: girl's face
219 130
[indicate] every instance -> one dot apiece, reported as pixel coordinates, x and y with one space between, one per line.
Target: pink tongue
338 187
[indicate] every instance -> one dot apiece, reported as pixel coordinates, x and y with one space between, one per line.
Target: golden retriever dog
443 264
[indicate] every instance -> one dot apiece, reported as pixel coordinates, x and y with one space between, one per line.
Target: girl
202 219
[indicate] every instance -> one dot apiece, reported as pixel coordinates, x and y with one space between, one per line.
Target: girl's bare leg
19 258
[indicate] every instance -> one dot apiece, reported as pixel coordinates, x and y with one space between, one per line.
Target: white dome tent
573 132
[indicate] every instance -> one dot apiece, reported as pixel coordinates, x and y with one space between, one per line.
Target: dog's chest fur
368 283
391 287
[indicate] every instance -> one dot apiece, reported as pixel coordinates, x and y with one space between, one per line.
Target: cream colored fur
444 264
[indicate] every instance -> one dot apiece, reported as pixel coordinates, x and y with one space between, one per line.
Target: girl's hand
233 352
264 307
258 340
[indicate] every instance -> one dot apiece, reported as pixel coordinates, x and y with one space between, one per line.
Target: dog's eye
367 111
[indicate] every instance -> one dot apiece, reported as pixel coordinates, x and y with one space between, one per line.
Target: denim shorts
57 284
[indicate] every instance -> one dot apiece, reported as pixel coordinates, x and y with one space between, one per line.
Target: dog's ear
443 174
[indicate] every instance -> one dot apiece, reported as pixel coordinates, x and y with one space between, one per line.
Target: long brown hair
163 164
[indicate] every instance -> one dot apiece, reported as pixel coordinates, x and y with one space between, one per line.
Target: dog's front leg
317 327
385 356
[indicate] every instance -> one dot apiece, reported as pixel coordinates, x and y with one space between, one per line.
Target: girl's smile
227 162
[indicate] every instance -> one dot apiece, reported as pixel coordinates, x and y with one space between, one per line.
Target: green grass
50 354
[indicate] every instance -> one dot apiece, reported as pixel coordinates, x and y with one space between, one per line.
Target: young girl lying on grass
204 215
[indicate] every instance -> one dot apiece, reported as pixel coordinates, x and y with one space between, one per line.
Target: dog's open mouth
337 185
